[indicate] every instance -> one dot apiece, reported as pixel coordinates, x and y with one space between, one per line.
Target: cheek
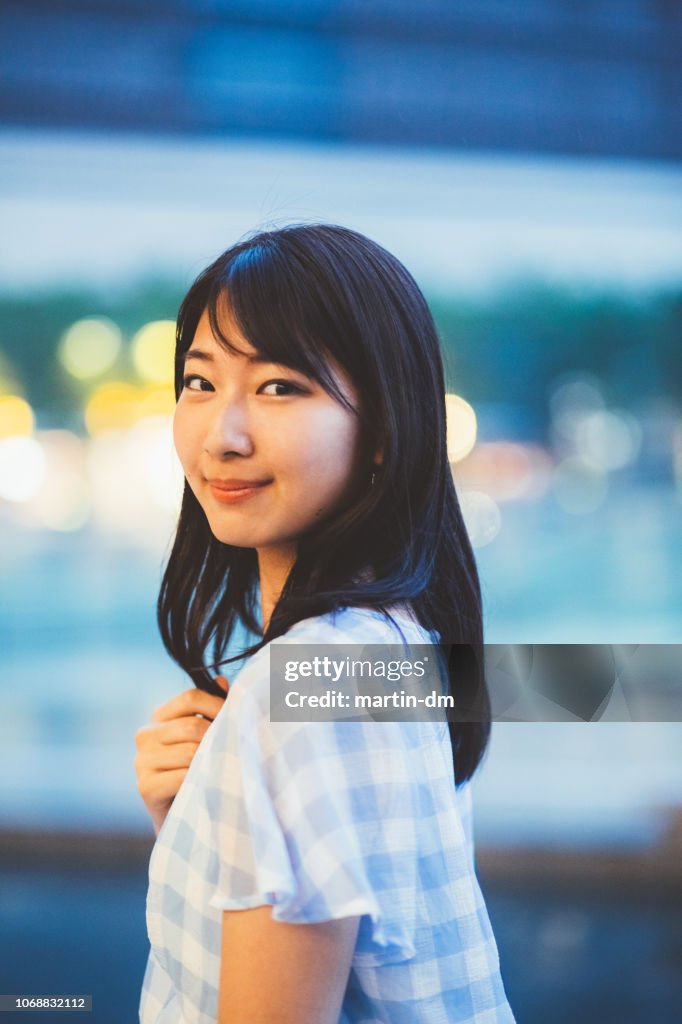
326 453
183 439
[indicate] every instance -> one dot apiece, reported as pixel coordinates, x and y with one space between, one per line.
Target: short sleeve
312 818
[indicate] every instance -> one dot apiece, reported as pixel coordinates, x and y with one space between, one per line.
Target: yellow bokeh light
153 349
462 427
89 347
16 416
112 406
156 402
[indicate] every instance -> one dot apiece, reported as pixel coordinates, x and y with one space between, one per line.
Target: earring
373 477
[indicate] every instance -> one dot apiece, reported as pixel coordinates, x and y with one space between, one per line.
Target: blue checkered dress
325 820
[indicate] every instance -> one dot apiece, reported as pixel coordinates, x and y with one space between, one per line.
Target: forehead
205 338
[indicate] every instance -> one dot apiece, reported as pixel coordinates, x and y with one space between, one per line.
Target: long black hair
301 294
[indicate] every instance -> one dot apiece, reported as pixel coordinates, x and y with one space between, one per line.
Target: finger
168 757
188 729
167 784
189 702
222 682
183 730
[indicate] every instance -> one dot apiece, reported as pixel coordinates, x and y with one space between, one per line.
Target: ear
378 457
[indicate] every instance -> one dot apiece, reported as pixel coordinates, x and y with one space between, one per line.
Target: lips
235 484
229 491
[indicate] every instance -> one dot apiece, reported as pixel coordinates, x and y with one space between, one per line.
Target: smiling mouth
229 495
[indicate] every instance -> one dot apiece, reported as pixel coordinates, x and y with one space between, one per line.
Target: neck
274 565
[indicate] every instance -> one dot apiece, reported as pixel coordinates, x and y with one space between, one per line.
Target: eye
289 388
188 380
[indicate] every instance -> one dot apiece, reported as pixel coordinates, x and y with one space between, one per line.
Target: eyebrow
196 353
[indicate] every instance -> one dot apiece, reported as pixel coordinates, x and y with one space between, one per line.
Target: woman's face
266 450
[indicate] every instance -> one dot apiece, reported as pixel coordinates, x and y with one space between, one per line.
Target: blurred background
525 162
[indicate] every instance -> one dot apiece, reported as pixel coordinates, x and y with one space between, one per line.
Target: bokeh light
153 349
155 467
609 438
89 347
65 504
62 503
112 406
576 391
16 416
574 397
156 401
136 482
22 468
462 427
579 486
482 517
507 470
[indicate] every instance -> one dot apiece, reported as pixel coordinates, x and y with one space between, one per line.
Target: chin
235 539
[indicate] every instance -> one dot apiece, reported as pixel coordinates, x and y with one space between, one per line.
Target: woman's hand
166 746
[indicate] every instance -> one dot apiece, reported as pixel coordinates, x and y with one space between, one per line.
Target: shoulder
344 632
349 625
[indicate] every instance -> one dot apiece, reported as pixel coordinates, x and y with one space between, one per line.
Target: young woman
312 872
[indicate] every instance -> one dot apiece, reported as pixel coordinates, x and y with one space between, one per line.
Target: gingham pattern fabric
325 820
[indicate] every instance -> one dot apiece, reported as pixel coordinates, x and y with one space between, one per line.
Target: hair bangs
271 314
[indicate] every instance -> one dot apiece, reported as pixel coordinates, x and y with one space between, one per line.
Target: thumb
222 682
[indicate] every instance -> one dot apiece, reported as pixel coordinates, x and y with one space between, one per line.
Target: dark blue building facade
600 77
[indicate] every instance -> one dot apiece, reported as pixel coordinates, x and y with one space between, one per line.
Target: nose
229 432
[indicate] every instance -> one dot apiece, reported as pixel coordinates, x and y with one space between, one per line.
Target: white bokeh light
482 517
609 438
154 461
64 503
134 495
22 468
573 399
